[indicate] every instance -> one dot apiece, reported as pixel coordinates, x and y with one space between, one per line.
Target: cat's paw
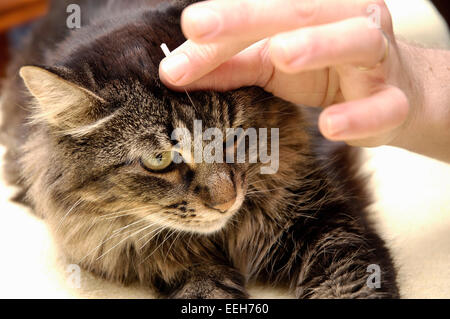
210 289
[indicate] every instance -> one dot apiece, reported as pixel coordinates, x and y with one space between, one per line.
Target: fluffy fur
97 107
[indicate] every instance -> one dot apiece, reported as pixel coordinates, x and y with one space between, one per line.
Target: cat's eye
159 162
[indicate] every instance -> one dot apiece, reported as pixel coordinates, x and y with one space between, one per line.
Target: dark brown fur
305 227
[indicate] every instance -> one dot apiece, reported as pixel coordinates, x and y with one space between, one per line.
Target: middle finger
253 20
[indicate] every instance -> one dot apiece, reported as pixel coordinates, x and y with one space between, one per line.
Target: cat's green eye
159 162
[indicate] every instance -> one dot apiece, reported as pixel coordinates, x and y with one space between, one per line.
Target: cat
87 126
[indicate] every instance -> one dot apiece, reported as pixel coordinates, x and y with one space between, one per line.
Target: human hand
322 53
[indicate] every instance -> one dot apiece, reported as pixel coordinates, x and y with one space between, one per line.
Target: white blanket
412 211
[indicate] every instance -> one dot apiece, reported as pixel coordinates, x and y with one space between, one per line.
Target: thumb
250 67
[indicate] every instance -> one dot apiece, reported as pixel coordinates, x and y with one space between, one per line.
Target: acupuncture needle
167 52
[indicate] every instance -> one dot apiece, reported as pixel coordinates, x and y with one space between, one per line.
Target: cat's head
106 124
118 151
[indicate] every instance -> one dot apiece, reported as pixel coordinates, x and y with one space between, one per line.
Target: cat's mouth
198 217
212 219
231 206
209 219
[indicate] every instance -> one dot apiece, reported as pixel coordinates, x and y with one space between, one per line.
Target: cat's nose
216 188
220 195
225 206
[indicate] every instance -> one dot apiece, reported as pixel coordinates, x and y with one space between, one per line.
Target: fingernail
336 124
174 67
203 23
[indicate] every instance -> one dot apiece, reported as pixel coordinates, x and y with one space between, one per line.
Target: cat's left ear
61 103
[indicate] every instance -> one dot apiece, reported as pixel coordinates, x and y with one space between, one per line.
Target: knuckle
380 3
206 53
385 16
246 11
381 10
374 39
400 99
305 10
314 46
266 68
377 40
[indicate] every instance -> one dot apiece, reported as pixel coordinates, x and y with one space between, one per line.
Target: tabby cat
88 124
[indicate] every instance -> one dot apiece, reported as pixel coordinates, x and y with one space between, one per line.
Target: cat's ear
60 103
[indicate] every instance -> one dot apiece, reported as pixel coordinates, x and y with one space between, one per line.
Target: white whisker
67 214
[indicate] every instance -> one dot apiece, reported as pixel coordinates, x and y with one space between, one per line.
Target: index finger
191 61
